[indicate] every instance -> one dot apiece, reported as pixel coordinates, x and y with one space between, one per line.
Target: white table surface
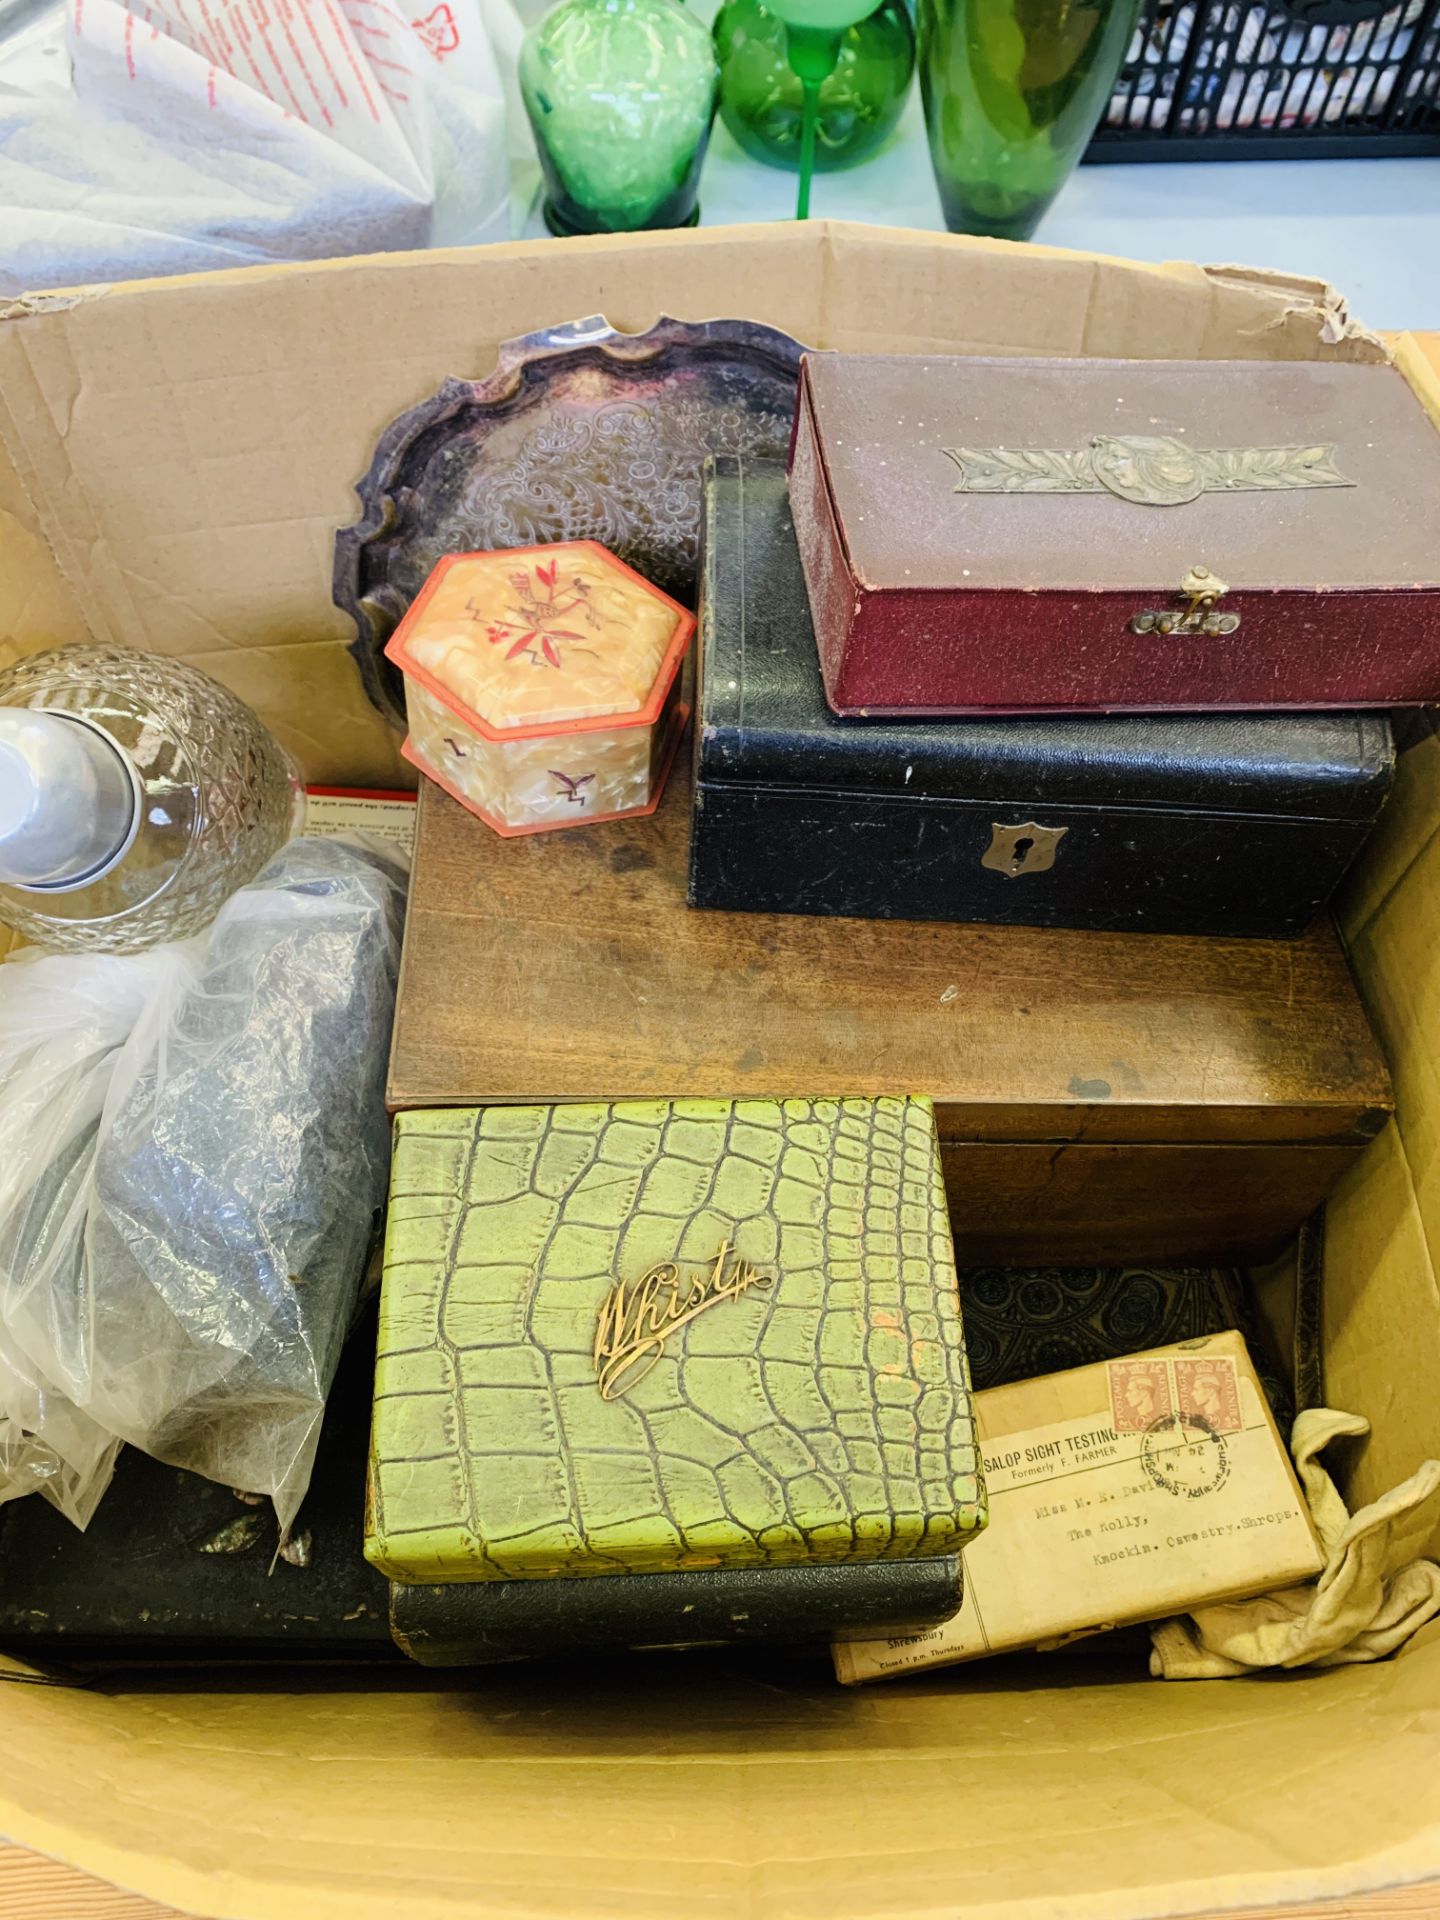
1371 227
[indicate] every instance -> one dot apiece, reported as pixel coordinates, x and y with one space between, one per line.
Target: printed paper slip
1121 1492
332 811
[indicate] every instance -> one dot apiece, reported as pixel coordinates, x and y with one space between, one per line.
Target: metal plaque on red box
983 535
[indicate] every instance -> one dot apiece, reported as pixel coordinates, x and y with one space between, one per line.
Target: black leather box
1236 824
493 1620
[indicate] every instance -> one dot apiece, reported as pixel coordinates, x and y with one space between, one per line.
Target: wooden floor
33 1888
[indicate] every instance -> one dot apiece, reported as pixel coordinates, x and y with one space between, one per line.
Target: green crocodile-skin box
651 1336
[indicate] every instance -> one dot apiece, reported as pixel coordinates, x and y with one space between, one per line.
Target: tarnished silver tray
581 433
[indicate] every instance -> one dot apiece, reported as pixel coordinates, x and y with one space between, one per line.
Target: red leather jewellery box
1015 536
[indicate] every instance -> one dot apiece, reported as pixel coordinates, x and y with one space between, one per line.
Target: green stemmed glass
1013 90
814 30
762 98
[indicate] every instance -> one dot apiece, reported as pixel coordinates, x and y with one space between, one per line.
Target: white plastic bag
158 137
47 1446
63 1022
241 1176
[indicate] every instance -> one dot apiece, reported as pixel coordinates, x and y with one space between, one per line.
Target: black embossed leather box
1240 824
490 1621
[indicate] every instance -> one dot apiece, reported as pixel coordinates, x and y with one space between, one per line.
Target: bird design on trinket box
572 785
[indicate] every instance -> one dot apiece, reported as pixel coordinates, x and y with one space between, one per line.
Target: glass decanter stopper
621 95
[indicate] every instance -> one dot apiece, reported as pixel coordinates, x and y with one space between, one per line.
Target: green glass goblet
814 30
762 97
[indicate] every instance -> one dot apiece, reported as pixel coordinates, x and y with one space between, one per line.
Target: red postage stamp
1209 1392
1139 1394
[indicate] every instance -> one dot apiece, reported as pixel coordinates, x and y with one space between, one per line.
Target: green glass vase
761 97
1013 90
621 96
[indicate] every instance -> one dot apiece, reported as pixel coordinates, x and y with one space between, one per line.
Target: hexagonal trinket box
543 685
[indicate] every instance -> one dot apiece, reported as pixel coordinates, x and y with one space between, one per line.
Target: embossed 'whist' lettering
637 1318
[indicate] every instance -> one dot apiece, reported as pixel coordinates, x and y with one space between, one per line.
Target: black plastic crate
1310 79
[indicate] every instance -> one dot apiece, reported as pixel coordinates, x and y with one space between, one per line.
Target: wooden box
1098 1096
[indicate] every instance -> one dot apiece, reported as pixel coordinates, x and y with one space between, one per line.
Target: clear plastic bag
48 1446
225 1205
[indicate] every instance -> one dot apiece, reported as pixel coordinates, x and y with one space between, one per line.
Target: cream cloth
1373 1594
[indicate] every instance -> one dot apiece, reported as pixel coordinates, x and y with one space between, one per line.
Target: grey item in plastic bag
242 1167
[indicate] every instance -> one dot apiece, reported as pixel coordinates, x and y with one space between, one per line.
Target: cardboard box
188 448
1127 1491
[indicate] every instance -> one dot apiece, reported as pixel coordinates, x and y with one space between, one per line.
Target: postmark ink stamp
1184 1456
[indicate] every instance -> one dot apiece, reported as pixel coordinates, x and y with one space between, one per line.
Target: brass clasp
1200 589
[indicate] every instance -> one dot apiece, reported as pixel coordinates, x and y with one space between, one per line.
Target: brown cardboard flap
37 607
1307 300
1382 1263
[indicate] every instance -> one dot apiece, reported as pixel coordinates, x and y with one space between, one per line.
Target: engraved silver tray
581 433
